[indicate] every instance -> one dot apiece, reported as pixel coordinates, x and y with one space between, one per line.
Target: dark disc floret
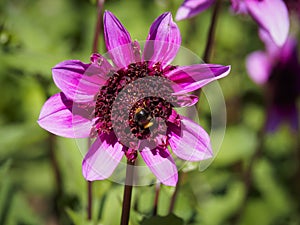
131 108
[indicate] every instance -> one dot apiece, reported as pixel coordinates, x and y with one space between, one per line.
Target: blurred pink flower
279 70
270 15
127 117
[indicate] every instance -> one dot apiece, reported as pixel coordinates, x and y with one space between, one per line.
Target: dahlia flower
278 69
127 103
270 15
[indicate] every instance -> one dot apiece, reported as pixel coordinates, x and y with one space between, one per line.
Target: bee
143 118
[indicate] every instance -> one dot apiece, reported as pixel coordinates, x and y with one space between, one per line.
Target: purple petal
271 47
259 67
193 77
289 54
239 6
273 120
118 41
100 65
186 100
56 117
162 165
293 118
163 40
102 158
190 8
189 141
271 15
174 118
73 78
277 115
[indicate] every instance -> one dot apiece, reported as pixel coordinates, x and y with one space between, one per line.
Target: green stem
211 32
127 193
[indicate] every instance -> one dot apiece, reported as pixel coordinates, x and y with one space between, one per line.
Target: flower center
130 105
142 117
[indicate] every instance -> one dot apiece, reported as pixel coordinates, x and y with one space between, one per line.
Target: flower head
270 15
278 69
128 104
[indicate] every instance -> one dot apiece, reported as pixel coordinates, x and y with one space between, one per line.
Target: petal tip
181 14
171 181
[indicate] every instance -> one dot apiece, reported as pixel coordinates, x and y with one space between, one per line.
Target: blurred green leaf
22 212
274 194
78 218
239 143
159 220
186 203
257 212
281 143
4 169
5 190
113 206
15 138
219 208
14 206
253 116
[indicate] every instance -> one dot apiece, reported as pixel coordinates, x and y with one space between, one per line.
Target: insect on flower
143 118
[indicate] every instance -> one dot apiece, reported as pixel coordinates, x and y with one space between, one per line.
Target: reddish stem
90 200
211 32
127 193
157 191
99 25
174 196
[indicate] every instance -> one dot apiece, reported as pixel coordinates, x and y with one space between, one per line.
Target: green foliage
156 220
35 35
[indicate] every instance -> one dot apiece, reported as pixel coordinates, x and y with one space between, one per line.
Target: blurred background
255 178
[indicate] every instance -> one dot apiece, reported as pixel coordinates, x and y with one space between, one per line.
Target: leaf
159 220
14 205
78 218
4 169
218 208
5 191
239 143
16 137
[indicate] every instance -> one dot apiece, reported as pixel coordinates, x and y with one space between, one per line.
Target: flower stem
127 193
211 32
90 200
157 191
97 33
58 177
174 196
99 25
210 40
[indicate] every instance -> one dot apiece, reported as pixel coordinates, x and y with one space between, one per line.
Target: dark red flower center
135 102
